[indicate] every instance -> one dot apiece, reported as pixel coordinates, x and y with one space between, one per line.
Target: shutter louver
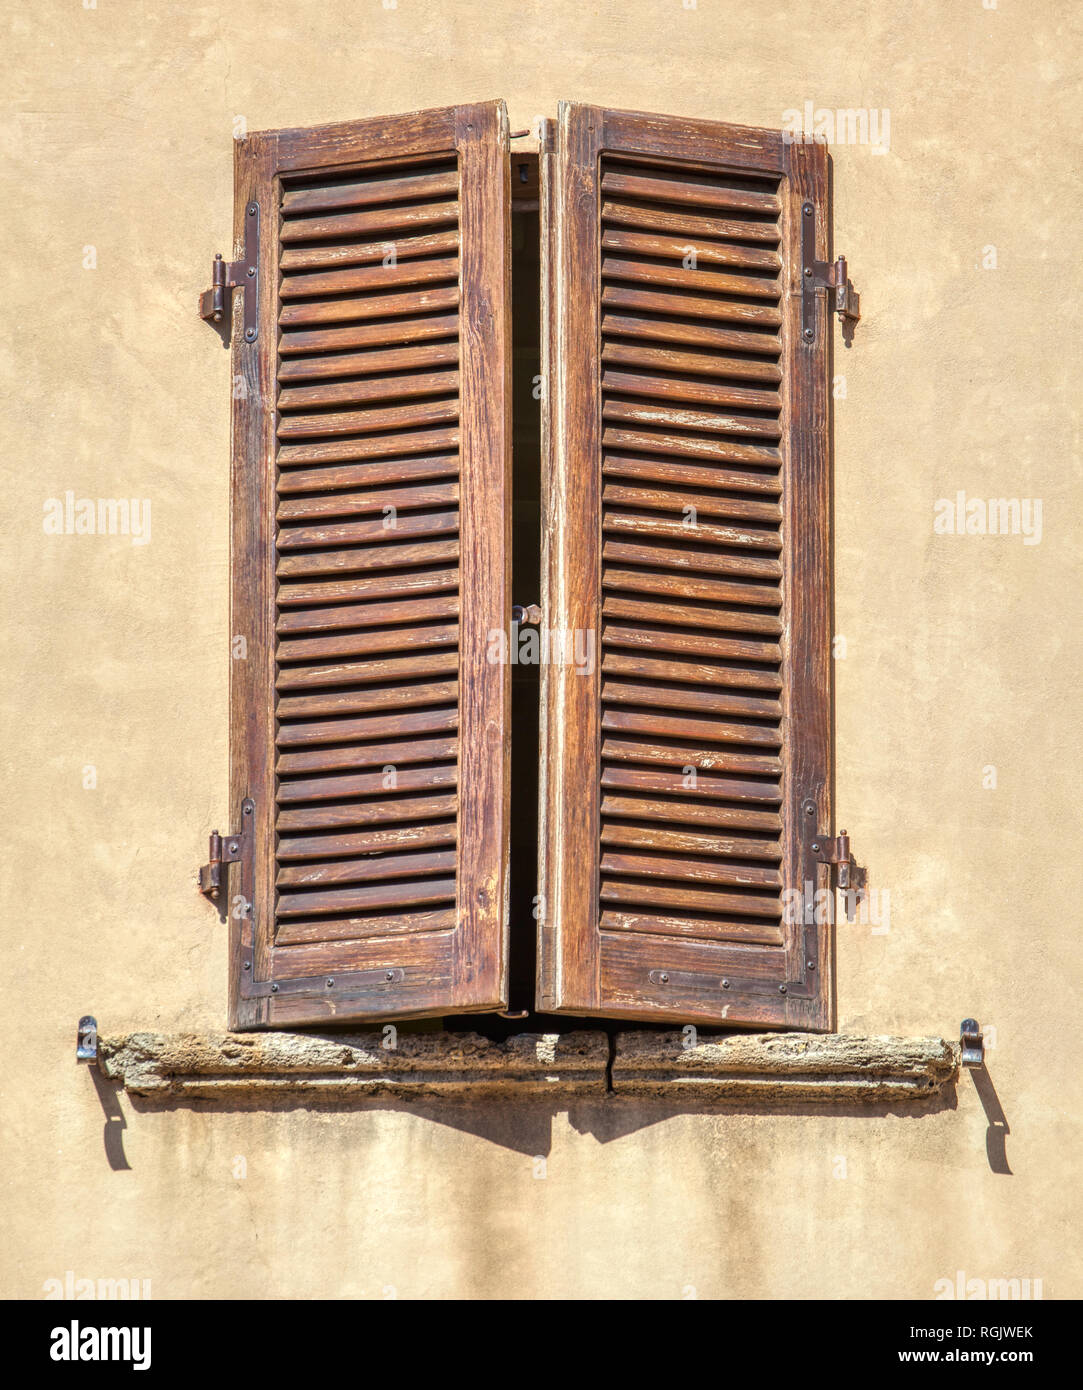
688 520
375 729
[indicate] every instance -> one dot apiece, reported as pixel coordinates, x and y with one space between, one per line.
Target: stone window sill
761 1068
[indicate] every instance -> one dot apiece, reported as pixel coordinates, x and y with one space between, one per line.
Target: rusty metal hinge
823 275
232 275
228 849
835 849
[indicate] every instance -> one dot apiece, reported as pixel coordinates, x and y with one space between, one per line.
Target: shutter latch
232 275
822 275
228 849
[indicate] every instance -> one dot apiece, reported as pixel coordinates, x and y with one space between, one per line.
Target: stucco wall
961 655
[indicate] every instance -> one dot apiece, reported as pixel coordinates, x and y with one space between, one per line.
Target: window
666 474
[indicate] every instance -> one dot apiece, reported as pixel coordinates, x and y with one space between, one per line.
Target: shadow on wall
525 1125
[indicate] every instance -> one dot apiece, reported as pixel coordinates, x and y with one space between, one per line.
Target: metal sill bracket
971 1043
232 275
822 275
86 1045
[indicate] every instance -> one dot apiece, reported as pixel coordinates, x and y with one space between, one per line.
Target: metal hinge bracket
86 1041
971 1043
823 275
228 849
835 849
233 275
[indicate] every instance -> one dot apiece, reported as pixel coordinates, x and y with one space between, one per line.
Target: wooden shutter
370 561
687 525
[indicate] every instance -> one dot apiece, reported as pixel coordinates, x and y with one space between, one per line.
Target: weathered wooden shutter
688 771
370 561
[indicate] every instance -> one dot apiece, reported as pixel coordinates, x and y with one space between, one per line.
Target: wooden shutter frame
570 942
469 971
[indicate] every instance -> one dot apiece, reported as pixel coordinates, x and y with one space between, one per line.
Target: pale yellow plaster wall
962 652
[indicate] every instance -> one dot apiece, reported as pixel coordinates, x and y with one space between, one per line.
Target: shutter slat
665 302
389 388
395 334
374 474
670 529
681 389
676 783
291 538
412 893
698 335
685 812
371 640
396 837
379 726
695 673
366 813
634 354
336 759
683 754
297 932
684 419
695 475
380 447
411 416
372 190
678 249
360 252
690 190
362 672
296 315
363 277
366 870
710 504
374 614
688 446
378 557
364 784
655 837
701 561
360 503
691 870
679 222
377 360
713 281
701 928
672 726
636 892
687 586
366 224
686 615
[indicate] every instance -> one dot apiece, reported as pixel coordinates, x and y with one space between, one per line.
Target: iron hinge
227 849
234 275
823 275
835 849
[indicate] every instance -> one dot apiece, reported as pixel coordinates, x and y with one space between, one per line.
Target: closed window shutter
688 773
370 562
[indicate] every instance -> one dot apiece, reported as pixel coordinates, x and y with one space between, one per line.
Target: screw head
330 983
725 984
274 989
808 271
807 209
815 845
251 209
389 975
233 847
782 989
664 978
248 965
252 272
250 335
809 334
810 965
247 809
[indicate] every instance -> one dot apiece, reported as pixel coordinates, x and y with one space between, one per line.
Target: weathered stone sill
760 1067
